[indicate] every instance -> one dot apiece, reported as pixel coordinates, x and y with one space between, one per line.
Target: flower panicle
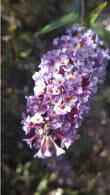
67 80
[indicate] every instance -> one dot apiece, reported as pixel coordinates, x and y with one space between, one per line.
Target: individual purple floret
64 85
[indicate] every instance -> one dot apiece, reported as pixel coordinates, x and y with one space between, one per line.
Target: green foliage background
28 28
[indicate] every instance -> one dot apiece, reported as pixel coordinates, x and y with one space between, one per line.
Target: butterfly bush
63 89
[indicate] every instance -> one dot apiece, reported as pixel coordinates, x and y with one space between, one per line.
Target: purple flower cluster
67 80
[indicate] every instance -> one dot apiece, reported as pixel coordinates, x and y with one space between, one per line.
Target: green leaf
104 34
106 95
95 13
66 20
42 185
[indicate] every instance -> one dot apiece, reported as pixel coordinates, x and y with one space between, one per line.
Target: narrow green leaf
95 13
66 20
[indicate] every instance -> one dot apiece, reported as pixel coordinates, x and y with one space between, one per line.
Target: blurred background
28 28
